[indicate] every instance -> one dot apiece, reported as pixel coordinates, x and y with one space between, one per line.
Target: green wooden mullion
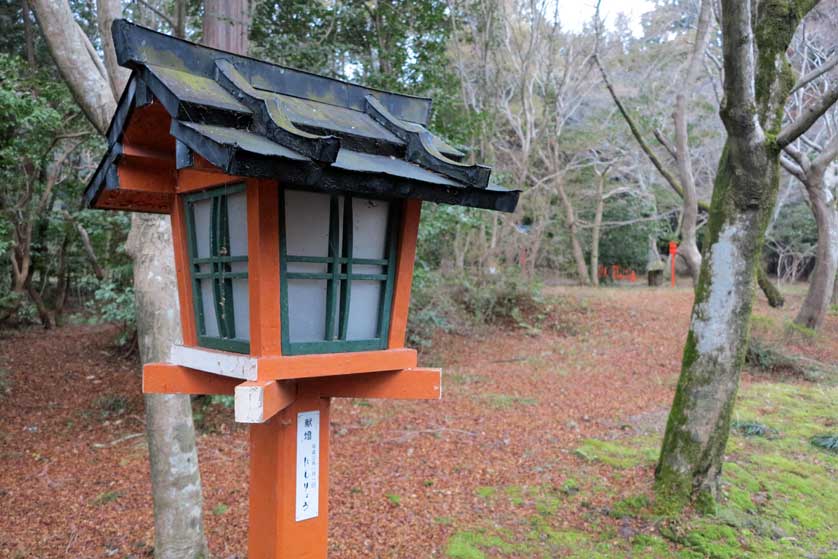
192 245
328 276
333 266
333 346
370 277
215 241
346 284
225 268
392 242
327 260
224 344
283 280
213 259
215 192
223 275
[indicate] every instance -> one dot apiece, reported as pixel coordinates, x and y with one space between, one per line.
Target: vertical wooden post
274 532
673 250
263 267
184 277
404 273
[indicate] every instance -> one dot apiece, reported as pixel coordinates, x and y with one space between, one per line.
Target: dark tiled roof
252 118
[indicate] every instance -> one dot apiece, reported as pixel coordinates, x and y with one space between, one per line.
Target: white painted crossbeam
217 362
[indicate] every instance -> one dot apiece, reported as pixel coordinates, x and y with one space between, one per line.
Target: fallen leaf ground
542 446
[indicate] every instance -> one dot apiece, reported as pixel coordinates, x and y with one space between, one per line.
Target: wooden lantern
294 202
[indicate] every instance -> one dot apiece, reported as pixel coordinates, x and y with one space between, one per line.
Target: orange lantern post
295 202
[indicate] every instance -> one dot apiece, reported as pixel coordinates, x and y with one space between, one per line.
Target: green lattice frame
220 272
339 269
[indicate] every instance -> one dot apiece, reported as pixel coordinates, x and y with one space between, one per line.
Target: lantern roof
251 118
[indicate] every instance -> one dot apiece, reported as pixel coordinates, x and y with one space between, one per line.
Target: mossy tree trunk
745 192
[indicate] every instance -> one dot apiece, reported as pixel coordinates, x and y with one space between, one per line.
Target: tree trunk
696 433
28 37
573 228
746 186
822 283
176 487
597 227
77 61
688 249
86 245
226 25
175 477
107 11
774 296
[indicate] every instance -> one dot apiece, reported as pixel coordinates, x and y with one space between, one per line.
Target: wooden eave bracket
421 149
258 401
271 118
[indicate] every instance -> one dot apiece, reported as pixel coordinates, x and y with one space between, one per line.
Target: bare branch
670 178
807 118
799 159
827 156
667 145
792 168
166 19
816 73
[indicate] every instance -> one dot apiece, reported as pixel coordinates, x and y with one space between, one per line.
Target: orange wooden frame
264 282
407 384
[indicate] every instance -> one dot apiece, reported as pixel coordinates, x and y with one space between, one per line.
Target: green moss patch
628 453
777 496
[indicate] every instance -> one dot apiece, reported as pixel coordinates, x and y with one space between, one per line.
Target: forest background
510 86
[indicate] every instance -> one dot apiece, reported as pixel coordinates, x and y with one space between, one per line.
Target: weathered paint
217 362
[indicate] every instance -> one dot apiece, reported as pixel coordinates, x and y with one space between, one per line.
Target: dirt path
516 405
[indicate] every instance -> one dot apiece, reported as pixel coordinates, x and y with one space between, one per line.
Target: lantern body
336 269
295 202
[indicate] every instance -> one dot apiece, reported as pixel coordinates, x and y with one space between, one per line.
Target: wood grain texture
327 364
409 384
404 273
163 378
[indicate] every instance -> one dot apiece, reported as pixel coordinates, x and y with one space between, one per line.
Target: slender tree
682 181
757 81
176 480
819 177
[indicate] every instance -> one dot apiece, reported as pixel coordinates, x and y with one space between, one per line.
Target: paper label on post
308 464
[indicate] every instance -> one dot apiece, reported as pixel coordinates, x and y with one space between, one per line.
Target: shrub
441 302
504 296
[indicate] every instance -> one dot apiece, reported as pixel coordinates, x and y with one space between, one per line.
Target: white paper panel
363 310
308 465
237 221
201 212
369 230
306 223
307 267
208 300
367 269
306 310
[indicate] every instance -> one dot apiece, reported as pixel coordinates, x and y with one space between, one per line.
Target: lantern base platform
258 401
288 367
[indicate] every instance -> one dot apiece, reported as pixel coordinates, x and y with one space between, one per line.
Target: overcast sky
575 13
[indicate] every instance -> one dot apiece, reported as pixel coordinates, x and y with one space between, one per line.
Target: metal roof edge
136 46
